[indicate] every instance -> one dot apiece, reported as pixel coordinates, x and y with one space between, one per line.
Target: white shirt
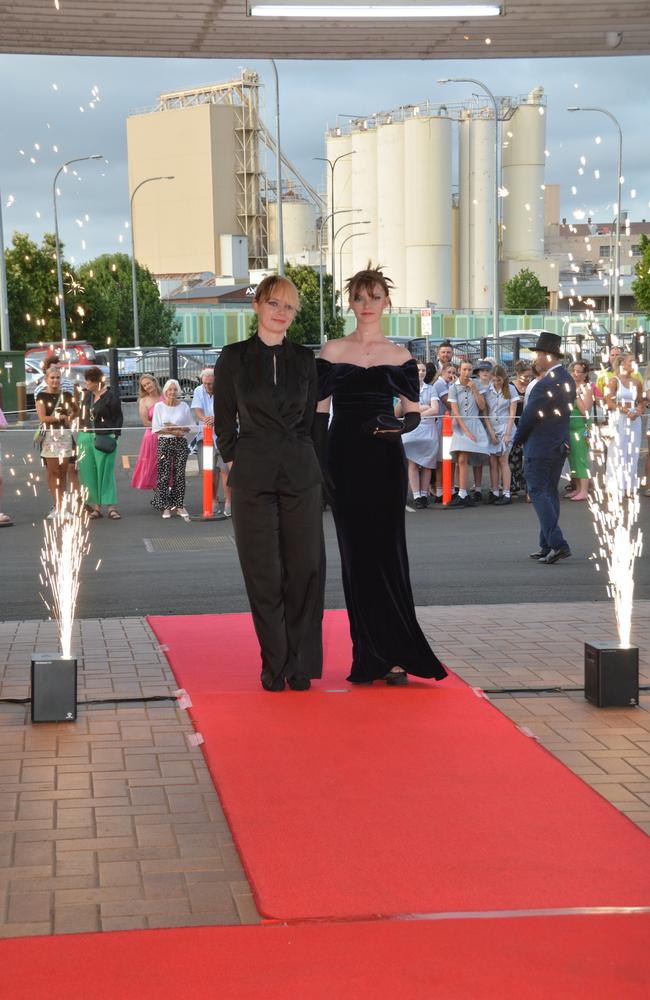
202 400
179 415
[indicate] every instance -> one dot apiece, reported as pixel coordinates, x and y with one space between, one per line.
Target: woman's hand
470 435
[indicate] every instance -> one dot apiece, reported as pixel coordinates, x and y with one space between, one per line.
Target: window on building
604 251
636 250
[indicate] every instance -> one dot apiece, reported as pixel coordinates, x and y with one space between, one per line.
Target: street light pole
134 283
279 230
5 338
346 225
495 268
617 248
343 242
57 243
332 165
340 211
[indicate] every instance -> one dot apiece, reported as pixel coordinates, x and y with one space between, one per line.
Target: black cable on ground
98 701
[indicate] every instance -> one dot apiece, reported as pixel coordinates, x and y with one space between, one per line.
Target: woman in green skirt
100 424
579 428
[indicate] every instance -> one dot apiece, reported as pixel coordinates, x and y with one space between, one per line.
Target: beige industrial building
208 140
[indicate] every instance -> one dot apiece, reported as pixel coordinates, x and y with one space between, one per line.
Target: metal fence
184 363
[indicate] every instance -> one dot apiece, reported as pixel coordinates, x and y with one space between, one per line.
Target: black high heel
396 678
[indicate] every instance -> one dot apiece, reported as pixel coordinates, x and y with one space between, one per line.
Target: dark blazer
544 424
262 433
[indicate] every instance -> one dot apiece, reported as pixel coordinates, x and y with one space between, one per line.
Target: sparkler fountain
612 671
54 675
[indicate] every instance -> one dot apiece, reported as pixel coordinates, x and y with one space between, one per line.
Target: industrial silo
427 210
364 197
298 225
476 198
523 176
390 205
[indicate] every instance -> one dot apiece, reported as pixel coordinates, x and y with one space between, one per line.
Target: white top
179 415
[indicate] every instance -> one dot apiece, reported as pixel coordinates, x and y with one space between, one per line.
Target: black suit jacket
544 423
259 432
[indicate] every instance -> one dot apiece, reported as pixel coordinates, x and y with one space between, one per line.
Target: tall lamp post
495 269
5 339
339 211
279 229
343 242
346 225
134 283
332 165
617 248
57 244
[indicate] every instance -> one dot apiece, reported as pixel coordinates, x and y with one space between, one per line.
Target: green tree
524 292
108 304
641 284
32 292
305 328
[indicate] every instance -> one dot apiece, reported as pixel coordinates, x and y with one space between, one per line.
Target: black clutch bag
388 422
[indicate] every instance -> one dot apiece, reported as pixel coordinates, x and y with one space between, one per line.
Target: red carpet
383 801
552 958
221 653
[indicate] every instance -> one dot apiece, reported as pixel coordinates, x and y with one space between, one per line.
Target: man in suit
544 433
265 392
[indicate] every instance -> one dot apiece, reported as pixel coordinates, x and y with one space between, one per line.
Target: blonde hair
619 359
276 284
141 392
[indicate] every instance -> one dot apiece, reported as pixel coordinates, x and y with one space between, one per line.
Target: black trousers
279 537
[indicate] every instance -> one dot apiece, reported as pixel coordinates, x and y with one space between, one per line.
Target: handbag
106 443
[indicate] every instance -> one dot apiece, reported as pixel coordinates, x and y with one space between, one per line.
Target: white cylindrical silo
364 197
427 210
390 206
523 175
298 226
476 172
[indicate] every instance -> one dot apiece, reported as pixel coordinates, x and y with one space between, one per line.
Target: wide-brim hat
549 343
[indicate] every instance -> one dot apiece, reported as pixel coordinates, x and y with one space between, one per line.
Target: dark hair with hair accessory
366 281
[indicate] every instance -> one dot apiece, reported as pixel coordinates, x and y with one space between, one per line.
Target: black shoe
273 683
477 496
554 555
455 502
469 501
492 498
420 503
299 683
436 499
502 501
396 678
540 554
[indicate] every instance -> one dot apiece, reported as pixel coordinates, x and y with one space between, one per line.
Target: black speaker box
54 688
611 675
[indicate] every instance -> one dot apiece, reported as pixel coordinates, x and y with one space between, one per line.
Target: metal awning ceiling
222 29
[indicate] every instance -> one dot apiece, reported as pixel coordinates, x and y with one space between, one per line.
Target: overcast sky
48 93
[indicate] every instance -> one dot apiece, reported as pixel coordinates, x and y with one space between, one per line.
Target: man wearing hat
544 433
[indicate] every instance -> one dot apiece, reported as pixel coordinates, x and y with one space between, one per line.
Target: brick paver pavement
112 822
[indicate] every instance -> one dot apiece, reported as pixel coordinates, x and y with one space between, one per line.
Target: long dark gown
368 480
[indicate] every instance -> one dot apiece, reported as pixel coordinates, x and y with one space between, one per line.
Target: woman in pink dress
146 469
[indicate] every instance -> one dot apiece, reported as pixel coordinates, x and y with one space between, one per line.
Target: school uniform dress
264 405
463 396
498 408
421 445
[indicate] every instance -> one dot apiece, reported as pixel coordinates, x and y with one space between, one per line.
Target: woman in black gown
366 473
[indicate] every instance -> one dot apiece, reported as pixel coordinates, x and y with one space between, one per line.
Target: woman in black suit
265 391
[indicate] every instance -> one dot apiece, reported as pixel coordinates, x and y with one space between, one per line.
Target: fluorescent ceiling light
361 11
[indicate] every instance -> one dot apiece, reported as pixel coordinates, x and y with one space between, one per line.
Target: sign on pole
425 321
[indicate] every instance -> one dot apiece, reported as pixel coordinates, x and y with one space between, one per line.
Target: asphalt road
457 557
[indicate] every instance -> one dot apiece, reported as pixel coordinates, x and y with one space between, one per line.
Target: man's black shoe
540 554
273 683
554 555
299 683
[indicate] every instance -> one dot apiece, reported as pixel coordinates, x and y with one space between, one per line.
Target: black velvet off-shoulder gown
369 484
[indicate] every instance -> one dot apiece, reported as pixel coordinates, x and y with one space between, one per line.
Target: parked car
74 373
132 363
77 352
